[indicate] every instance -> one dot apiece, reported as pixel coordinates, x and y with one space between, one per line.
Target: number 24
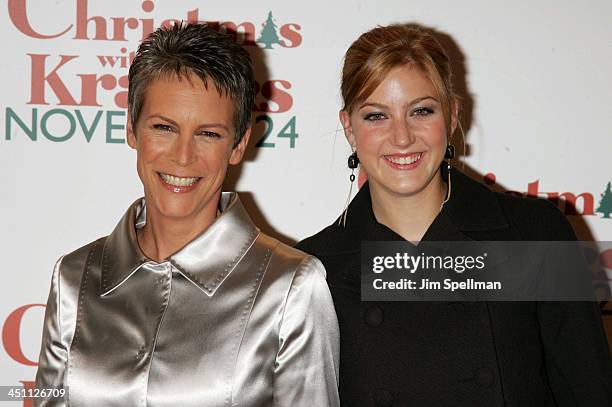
288 131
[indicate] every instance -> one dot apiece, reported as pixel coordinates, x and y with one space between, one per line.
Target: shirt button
484 377
383 398
374 316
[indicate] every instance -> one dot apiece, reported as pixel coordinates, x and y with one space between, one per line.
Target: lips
178 184
404 161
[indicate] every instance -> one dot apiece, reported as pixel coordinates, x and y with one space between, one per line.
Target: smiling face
184 142
399 133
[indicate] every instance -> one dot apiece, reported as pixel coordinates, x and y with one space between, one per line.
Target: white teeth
405 160
178 181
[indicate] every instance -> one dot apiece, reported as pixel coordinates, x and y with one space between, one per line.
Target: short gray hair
186 48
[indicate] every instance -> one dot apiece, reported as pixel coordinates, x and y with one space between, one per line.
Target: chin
174 208
406 186
405 190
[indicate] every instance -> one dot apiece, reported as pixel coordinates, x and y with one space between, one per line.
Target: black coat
462 354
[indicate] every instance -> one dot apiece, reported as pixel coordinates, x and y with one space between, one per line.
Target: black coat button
383 398
374 316
484 377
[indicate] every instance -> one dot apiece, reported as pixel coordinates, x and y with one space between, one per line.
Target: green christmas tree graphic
268 35
605 205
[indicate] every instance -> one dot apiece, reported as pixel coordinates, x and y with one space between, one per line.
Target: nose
403 134
184 150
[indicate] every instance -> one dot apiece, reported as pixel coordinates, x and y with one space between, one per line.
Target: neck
163 236
408 216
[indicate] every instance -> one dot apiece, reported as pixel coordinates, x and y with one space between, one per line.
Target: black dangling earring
449 154
353 163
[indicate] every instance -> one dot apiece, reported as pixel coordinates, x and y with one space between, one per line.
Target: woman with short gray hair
186 303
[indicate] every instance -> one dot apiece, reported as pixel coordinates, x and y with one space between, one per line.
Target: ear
238 151
131 137
345 119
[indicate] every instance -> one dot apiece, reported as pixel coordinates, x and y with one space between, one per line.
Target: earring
450 152
448 155
353 163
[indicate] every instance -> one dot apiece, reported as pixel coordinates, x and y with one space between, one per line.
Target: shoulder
344 237
80 256
290 259
316 244
475 208
70 267
534 218
302 276
307 295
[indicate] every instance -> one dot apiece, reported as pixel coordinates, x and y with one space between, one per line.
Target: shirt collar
205 261
472 207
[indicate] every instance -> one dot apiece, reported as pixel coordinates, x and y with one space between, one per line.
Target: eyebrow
201 126
383 106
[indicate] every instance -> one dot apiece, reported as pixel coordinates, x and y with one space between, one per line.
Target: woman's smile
178 184
408 161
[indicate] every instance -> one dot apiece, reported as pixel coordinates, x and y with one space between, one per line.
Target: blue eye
374 116
422 111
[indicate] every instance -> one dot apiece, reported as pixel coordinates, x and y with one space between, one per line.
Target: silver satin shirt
235 318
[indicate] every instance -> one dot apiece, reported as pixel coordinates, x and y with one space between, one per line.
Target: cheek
150 150
369 139
213 157
434 134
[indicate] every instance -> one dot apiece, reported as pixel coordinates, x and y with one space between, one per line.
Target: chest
429 352
158 340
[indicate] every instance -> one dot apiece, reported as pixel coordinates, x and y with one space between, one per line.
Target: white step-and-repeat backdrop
535 79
